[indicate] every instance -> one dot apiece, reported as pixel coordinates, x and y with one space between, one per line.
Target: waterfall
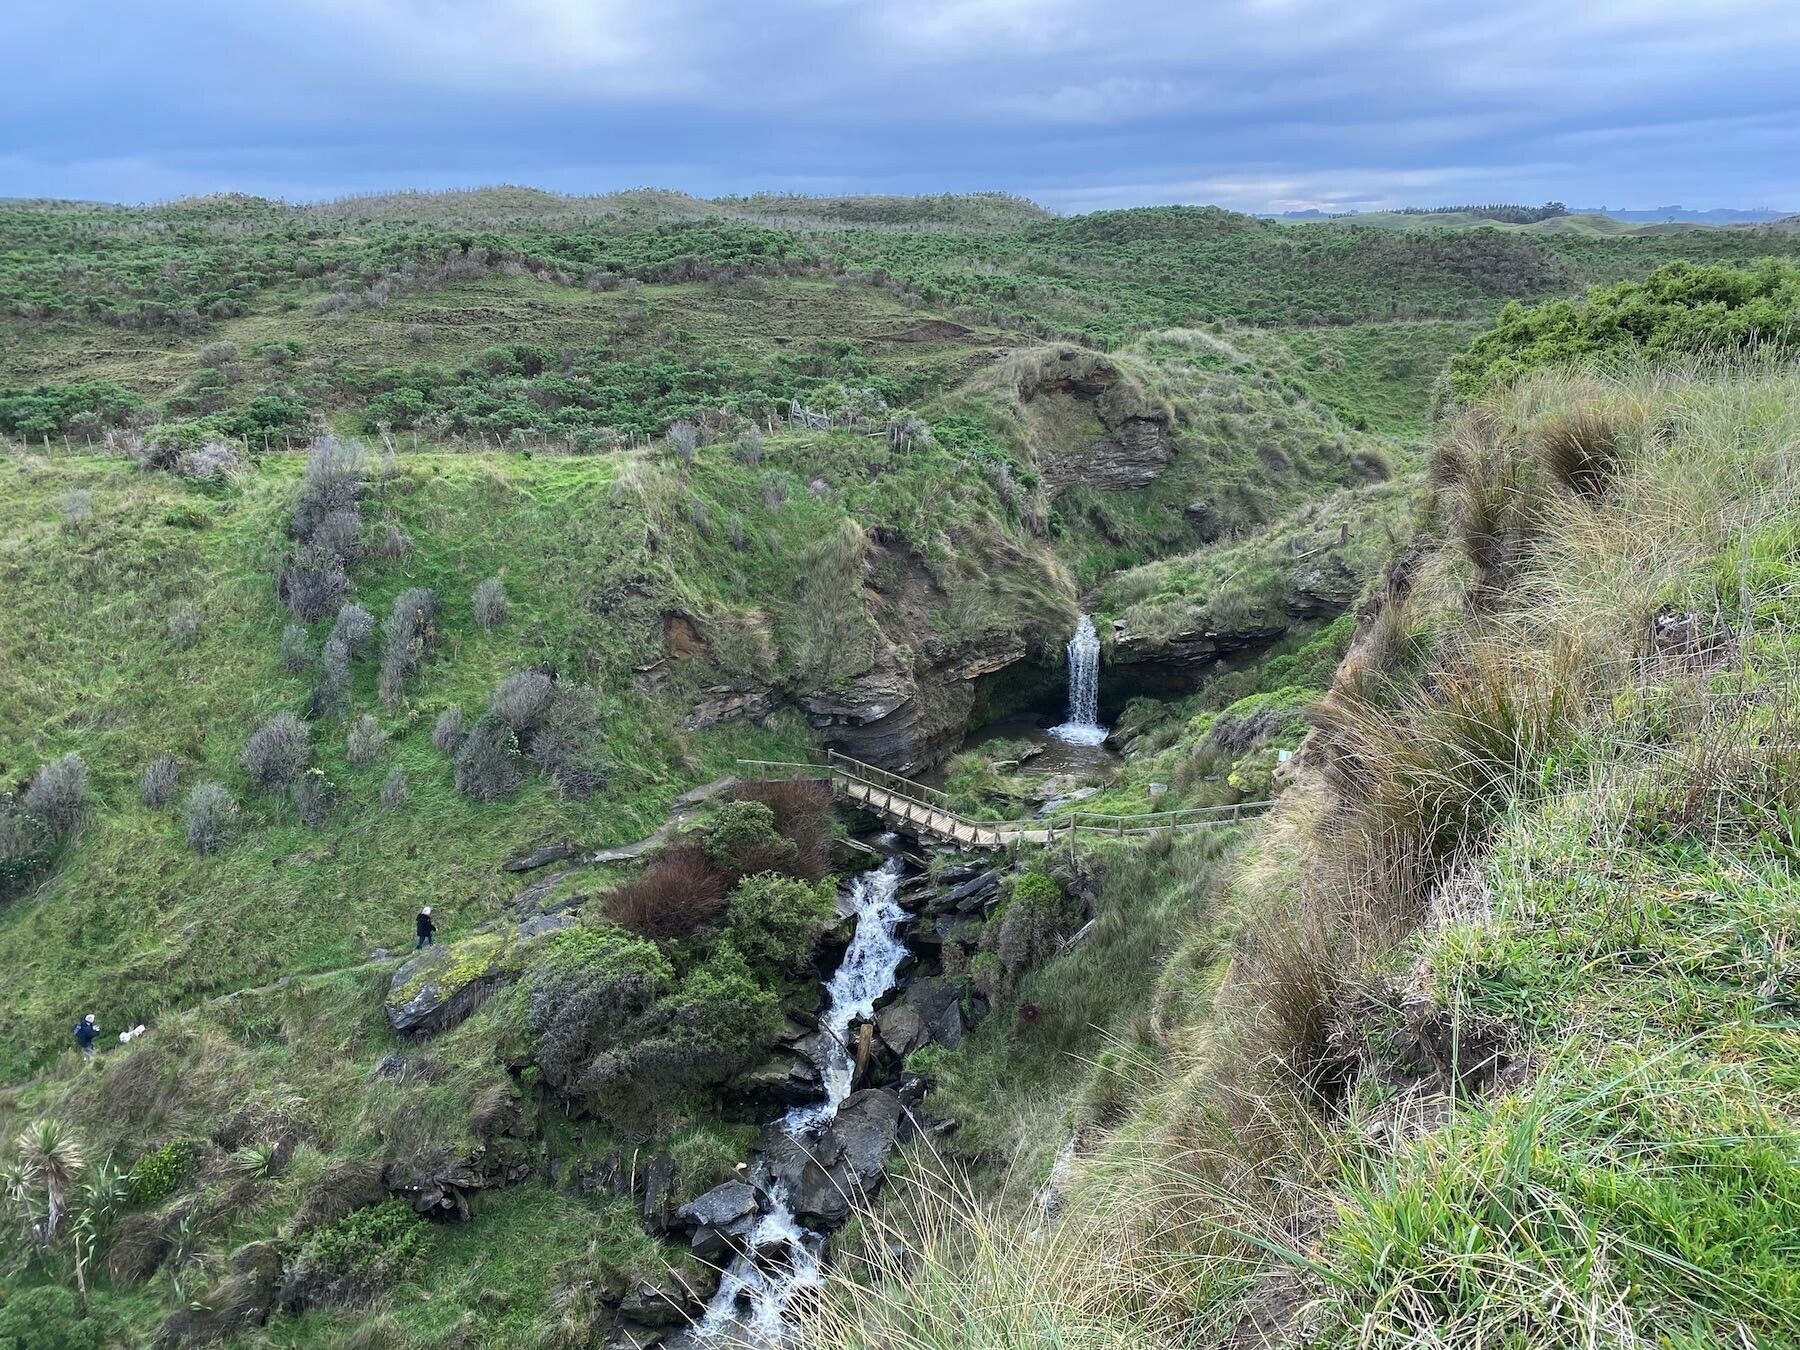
1083 726
782 1259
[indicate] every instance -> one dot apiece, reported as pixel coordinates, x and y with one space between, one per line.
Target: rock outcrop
825 1176
441 985
1089 423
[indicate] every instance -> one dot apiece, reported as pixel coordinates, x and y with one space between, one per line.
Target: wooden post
865 1043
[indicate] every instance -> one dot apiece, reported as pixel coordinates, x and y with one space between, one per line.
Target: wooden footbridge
912 808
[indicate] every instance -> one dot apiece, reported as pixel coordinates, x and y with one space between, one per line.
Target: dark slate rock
542 857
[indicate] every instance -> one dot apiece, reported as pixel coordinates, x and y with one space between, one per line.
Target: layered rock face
905 717
911 700
1092 427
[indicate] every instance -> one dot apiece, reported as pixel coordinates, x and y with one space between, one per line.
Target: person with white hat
427 929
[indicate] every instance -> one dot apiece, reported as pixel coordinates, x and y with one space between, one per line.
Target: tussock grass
1530 813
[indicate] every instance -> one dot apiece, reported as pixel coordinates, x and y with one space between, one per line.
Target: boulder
541 925
867 1127
901 1029
937 1000
442 985
720 1207
966 896
719 1219
825 1176
787 1078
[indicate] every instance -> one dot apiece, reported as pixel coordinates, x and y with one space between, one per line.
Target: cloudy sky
1080 104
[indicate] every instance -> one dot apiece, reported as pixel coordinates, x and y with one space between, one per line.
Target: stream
781 1258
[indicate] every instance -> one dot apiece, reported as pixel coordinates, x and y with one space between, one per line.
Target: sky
1257 105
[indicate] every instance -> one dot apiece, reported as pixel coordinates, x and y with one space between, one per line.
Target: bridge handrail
843 768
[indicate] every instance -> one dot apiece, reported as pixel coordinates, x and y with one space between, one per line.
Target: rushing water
1083 726
755 1293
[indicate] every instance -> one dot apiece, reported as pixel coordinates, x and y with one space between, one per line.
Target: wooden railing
905 802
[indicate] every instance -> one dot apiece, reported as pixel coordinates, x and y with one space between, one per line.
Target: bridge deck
925 811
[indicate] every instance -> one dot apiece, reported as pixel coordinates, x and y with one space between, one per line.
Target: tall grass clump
325 527
490 604
296 649
58 794
208 816
364 741
447 731
408 635
276 752
159 781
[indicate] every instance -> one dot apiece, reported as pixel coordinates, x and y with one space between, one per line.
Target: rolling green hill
355 552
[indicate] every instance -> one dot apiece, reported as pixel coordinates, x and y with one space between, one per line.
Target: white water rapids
1083 726
753 1301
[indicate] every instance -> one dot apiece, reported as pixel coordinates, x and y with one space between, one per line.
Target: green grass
1377 377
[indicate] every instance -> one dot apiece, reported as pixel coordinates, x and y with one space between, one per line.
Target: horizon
1422 207
1259 106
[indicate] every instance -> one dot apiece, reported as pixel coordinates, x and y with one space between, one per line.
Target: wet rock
720 1219
901 1029
951 873
937 1000
720 1207
826 1176
661 1305
541 857
965 897
788 1078
659 1194
867 1127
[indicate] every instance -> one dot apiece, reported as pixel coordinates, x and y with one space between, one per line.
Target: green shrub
48 1317
775 921
1678 309
1027 925
742 839
157 1175
66 409
365 1251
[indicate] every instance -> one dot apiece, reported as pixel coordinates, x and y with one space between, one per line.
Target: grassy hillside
1485 1038
605 493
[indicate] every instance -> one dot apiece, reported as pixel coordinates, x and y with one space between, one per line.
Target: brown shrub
803 814
677 894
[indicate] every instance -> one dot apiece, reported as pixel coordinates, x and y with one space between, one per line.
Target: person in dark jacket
427 929
86 1031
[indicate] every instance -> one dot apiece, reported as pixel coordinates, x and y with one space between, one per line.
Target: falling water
1083 726
755 1292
